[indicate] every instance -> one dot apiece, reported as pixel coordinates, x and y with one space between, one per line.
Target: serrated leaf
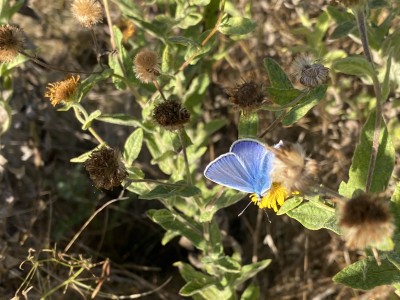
343 29
366 274
236 26
178 223
360 163
133 145
248 125
307 103
249 271
289 204
353 65
166 191
315 216
120 119
276 75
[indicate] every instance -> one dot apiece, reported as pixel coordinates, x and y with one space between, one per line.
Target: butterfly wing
229 171
257 161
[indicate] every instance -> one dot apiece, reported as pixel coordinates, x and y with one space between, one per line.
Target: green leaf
197 286
236 26
90 119
133 145
248 125
249 271
360 163
203 50
386 80
191 18
366 274
224 263
282 96
178 223
83 157
343 29
199 2
120 119
339 16
314 216
87 84
276 75
353 65
166 191
376 4
252 292
182 40
307 103
395 205
290 204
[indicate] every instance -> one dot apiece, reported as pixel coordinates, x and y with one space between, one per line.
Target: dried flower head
106 168
62 90
170 114
365 221
146 66
247 96
308 72
11 42
292 169
87 12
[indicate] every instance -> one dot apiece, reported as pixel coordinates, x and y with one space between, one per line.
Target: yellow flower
276 195
62 90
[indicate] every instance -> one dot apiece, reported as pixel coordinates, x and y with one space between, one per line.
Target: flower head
87 12
308 72
171 114
146 66
247 96
275 196
292 169
365 221
11 42
106 168
63 90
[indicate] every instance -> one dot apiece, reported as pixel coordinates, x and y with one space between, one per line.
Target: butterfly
246 167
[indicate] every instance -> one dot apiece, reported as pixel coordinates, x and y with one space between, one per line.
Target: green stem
181 132
81 111
360 16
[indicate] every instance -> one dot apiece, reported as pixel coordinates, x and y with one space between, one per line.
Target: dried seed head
62 90
106 168
308 72
365 221
292 169
146 66
170 114
247 96
87 12
11 42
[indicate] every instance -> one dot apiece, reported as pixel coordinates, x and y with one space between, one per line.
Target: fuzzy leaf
309 101
314 216
93 116
252 292
276 75
166 191
366 274
282 96
353 65
224 263
289 204
133 145
237 26
248 125
343 29
249 271
178 223
119 119
360 162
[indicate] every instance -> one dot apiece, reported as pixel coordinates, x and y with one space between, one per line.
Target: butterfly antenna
241 213
266 213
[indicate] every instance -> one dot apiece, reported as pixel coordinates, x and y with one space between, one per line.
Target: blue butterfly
246 167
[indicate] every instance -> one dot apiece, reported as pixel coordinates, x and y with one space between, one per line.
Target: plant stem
79 112
181 132
159 89
360 16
